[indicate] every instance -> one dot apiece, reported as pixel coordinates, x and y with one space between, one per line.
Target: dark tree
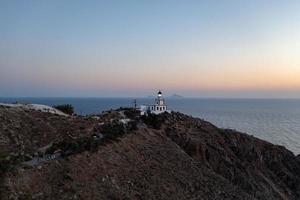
153 120
65 108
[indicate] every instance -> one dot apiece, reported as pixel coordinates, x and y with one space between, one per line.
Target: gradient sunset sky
212 48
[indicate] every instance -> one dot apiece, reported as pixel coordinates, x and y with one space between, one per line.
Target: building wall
157 108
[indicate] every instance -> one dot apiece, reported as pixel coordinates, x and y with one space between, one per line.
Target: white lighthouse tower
159 103
158 107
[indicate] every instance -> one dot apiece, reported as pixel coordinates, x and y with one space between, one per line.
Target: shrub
113 131
8 162
152 120
132 125
131 113
65 108
74 146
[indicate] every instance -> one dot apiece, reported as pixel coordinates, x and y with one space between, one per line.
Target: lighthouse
158 107
159 103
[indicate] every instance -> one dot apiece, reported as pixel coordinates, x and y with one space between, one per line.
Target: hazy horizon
153 96
203 49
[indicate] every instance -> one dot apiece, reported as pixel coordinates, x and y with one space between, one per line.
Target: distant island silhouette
173 96
176 96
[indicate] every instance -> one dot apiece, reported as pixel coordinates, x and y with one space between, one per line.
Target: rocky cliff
120 155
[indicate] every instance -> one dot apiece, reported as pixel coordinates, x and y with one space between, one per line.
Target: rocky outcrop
169 156
261 169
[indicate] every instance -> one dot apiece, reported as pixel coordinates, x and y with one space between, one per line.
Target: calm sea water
274 120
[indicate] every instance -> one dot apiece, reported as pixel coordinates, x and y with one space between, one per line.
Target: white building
157 108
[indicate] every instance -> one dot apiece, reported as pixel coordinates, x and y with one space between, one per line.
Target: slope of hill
120 155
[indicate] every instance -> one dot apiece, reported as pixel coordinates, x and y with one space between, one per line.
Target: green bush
153 120
131 113
74 145
8 162
113 131
65 108
132 125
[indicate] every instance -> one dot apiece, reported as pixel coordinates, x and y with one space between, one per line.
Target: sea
273 120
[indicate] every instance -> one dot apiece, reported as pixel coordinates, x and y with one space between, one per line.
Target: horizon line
149 97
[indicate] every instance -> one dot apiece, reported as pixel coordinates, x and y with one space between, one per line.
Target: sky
213 48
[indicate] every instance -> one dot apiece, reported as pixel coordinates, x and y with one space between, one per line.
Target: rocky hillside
120 155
